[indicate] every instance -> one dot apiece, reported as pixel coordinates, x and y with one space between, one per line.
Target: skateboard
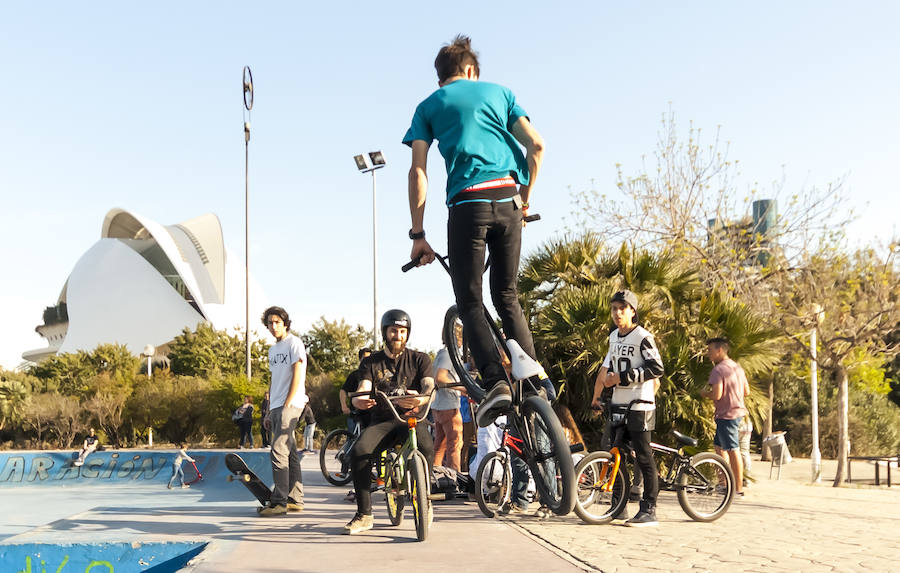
239 471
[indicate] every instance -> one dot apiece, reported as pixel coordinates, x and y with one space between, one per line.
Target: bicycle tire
340 442
493 483
705 487
419 488
594 505
454 339
549 458
394 496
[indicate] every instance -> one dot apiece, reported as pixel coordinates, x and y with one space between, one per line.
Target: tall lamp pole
370 164
816 455
248 106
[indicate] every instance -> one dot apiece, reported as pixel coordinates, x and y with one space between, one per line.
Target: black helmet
395 317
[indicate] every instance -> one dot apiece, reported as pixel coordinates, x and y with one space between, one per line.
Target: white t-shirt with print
636 359
282 356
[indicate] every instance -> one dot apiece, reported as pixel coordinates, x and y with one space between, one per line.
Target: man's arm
533 143
362 402
343 396
296 368
418 190
599 385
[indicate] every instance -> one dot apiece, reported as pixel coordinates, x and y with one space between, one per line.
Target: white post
375 329
150 438
816 456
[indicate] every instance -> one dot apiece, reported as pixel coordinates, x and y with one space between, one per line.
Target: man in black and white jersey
632 367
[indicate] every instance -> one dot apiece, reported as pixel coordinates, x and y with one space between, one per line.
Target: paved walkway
784 524
781 525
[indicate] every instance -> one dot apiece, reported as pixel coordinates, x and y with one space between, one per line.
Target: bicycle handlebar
390 399
415 262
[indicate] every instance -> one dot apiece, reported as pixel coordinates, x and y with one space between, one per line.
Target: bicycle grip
411 264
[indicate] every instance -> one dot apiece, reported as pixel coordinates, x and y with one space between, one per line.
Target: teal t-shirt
472 121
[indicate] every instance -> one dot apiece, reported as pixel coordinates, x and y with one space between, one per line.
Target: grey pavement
786 524
783 524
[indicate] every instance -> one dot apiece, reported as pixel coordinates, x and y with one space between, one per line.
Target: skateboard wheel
246 478
230 478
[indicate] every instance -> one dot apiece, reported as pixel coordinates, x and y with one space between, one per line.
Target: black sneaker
646 517
497 399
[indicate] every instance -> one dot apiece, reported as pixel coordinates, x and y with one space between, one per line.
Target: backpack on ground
443 480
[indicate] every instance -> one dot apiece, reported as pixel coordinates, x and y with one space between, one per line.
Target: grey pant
285 460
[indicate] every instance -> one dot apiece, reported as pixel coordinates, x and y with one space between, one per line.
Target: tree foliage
779 264
332 346
566 287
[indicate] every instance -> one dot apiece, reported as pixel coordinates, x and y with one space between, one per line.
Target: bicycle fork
607 485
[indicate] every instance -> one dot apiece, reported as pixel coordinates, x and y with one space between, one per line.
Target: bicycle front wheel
550 459
458 348
393 489
705 487
419 487
601 495
334 457
493 482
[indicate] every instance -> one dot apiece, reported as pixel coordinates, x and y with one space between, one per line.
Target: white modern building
143 282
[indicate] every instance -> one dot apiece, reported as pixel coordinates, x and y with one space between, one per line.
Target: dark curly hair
278 311
453 58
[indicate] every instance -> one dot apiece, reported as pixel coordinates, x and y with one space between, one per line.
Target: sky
139 106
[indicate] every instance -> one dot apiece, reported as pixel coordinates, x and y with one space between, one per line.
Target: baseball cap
627 297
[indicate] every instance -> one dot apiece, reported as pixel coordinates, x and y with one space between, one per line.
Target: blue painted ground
45 487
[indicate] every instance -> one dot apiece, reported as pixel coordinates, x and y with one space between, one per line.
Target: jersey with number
635 358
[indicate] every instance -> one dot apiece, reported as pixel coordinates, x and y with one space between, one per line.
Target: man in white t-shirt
287 398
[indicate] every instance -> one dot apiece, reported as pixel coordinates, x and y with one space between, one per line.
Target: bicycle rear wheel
419 487
336 448
550 458
705 487
601 495
394 495
493 482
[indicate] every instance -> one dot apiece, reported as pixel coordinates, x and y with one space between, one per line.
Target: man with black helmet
395 370
632 367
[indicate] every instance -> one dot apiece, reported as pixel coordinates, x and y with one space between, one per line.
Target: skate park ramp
115 514
41 490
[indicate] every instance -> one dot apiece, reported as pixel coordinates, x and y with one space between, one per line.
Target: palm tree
566 287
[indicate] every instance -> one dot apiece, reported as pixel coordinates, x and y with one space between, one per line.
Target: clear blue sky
138 105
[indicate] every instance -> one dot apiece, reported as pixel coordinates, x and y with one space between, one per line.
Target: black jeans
375 439
472 227
646 465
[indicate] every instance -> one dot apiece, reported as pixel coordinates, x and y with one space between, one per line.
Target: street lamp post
248 106
370 164
816 455
148 353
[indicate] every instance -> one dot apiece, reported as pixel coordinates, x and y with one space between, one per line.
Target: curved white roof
143 282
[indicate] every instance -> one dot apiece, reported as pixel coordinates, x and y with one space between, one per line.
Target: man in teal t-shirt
480 131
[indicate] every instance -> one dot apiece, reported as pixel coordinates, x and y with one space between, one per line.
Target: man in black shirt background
396 370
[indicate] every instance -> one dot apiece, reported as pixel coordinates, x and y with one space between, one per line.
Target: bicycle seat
523 366
683 439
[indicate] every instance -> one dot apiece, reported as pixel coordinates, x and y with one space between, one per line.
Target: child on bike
632 368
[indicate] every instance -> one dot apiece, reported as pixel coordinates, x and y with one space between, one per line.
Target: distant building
749 239
143 282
